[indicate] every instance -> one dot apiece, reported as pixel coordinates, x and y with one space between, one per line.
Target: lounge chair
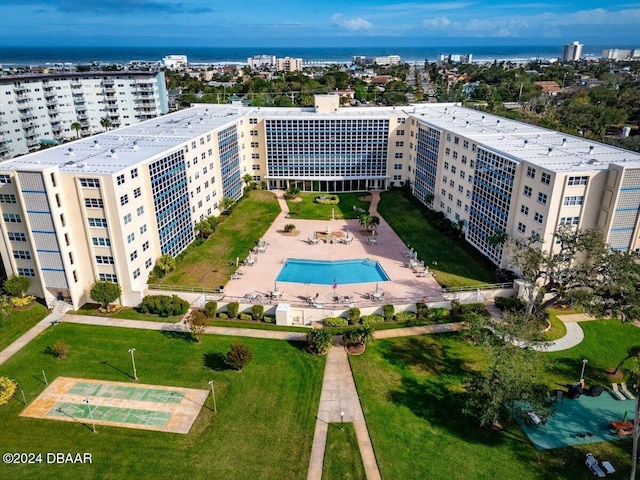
608 467
592 465
627 393
616 392
234 276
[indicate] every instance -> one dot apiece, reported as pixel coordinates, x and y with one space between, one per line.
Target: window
253 121
397 177
397 166
101 241
5 179
448 137
400 133
464 159
538 217
147 263
93 203
402 120
455 155
108 277
26 272
569 221
460 188
456 140
145 246
524 209
462 174
143 229
255 144
527 191
90 182
450 197
136 273
465 144
255 156
131 237
133 255
17 236
447 151
399 155
7 198
577 181
134 173
453 169
127 218
98 222
546 178
452 183
136 192
443 192
255 168
22 254
531 172
542 198
458 203
522 228
124 199
574 200
120 179
253 133
104 260
400 144
140 211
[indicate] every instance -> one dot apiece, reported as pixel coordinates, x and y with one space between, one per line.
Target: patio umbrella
237 261
275 284
415 256
347 233
335 284
250 257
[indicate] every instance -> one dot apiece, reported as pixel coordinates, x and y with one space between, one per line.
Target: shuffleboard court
147 407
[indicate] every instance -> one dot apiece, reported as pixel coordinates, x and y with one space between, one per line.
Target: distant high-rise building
262 62
175 62
288 64
572 52
621 54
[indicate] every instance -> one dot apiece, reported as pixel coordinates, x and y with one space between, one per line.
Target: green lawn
256 325
342 459
411 393
126 313
558 329
309 210
263 429
207 265
459 264
18 322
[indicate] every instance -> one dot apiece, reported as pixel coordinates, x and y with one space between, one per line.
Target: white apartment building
621 54
572 52
175 62
262 62
107 207
387 60
288 64
36 109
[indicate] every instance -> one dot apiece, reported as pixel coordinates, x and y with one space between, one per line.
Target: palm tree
106 123
365 220
76 126
632 352
227 203
166 263
319 340
375 221
498 238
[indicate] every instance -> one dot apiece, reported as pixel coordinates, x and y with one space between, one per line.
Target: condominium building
41 109
572 52
262 62
621 54
288 64
107 207
175 62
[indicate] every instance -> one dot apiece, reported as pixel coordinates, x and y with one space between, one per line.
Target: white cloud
353 24
437 23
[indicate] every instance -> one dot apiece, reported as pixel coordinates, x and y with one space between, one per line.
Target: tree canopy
105 292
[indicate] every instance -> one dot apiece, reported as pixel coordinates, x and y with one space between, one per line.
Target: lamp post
133 361
584 364
213 394
93 423
341 420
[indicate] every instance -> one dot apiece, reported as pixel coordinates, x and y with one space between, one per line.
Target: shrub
478 308
439 312
257 312
422 311
58 349
358 335
335 322
7 389
327 199
22 301
388 311
456 307
105 292
269 319
238 356
510 304
245 316
289 227
405 317
223 315
353 316
163 305
372 319
16 285
232 309
319 340
210 309
197 322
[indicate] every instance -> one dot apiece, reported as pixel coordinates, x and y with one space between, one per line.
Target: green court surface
580 421
101 413
140 394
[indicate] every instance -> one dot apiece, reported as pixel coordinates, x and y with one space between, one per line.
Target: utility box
283 314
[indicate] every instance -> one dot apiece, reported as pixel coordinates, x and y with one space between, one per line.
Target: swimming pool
324 272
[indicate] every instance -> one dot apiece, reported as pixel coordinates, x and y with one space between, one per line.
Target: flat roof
110 152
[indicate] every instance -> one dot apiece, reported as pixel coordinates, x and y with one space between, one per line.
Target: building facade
572 52
288 64
107 207
40 109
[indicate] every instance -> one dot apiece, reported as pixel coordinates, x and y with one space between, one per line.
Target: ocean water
12 56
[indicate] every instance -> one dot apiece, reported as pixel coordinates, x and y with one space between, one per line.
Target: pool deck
403 288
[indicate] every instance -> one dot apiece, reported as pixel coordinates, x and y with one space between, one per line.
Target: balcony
20 90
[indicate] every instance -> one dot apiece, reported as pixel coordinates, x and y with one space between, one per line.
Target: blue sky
314 22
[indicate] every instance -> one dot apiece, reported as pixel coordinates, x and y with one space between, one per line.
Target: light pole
213 394
341 420
93 424
133 361
584 364
24 400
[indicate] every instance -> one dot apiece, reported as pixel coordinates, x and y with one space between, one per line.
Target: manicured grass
459 264
18 322
411 393
342 458
208 265
309 210
263 428
125 313
255 325
558 329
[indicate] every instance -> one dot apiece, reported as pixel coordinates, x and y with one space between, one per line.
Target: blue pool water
321 272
